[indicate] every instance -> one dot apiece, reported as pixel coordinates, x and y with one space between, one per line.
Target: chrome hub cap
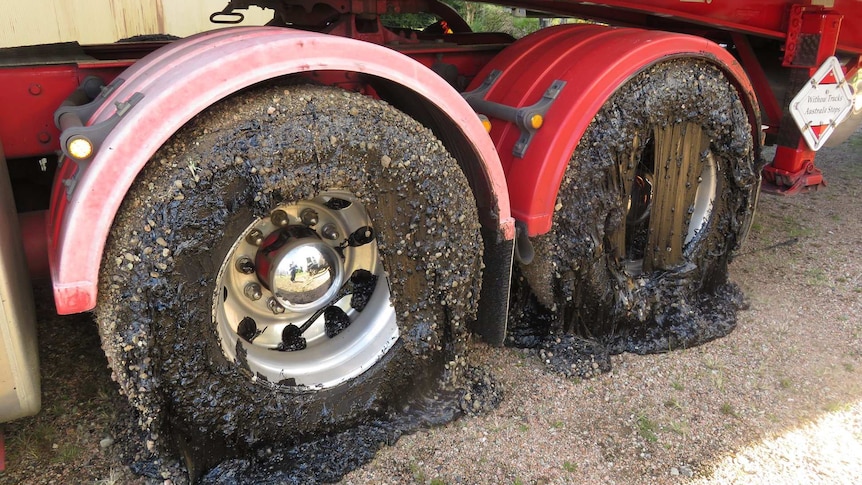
303 272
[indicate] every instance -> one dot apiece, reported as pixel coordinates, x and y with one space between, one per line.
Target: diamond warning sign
822 103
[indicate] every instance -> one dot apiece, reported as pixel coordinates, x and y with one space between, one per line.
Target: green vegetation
794 228
647 428
679 427
67 453
837 407
418 474
33 444
718 380
480 16
816 277
569 466
711 362
728 410
493 18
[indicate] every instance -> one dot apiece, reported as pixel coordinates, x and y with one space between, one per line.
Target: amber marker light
80 148
536 121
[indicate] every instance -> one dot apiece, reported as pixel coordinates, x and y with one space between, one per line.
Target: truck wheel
293 261
653 202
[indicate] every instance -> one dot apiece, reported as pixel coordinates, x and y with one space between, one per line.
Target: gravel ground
777 401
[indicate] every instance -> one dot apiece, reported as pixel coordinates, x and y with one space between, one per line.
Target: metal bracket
524 251
522 117
96 134
227 15
85 100
794 28
812 35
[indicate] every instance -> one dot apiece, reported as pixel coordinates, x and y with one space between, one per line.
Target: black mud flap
493 311
199 455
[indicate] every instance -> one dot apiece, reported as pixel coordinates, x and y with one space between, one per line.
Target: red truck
285 229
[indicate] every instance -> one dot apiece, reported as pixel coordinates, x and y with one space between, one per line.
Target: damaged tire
656 197
293 261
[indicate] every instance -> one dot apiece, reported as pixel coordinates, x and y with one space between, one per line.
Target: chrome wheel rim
302 298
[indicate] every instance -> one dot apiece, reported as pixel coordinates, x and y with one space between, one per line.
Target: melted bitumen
322 458
576 304
328 458
687 323
569 307
235 162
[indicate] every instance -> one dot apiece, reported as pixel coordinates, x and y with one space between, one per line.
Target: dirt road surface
777 401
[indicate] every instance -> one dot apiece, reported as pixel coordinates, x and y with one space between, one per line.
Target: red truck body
768 18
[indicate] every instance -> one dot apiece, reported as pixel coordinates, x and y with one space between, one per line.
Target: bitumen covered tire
233 163
598 267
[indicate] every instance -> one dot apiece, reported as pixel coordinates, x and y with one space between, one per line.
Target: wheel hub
302 298
301 270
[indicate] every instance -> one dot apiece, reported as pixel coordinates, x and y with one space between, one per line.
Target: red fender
594 61
181 80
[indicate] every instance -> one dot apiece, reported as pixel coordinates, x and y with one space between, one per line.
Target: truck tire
278 209
653 202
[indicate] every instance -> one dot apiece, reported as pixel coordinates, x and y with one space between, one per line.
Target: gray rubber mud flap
493 311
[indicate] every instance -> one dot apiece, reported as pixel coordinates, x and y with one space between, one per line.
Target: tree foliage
484 17
481 17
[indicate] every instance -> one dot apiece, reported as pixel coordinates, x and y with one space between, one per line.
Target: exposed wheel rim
302 298
669 184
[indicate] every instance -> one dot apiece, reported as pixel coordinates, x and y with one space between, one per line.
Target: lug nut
275 306
309 217
244 265
254 237
279 218
252 291
329 232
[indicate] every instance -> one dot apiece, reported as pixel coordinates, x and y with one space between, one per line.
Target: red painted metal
811 21
766 18
765 94
792 169
35 243
593 61
468 52
804 177
181 80
349 26
38 91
